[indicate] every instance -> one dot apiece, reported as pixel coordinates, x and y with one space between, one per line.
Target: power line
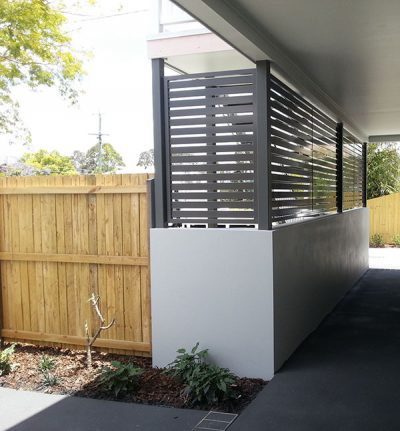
100 17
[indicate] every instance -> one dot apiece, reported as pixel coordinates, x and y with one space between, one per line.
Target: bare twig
94 301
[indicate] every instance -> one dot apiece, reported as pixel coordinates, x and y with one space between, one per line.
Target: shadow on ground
346 375
51 412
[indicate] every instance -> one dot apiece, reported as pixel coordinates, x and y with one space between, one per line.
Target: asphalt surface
346 375
33 411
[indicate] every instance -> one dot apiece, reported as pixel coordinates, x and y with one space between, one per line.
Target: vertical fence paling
62 238
384 217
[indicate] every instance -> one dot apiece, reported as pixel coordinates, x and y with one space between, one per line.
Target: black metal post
339 167
263 183
160 160
150 203
365 174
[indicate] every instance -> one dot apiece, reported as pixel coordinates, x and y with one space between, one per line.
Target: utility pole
100 135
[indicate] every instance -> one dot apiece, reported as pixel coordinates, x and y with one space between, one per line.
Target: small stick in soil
94 301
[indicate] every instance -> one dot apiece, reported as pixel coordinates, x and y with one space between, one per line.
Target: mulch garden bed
74 378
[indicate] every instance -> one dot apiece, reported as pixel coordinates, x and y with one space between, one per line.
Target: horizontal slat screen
352 171
303 156
210 134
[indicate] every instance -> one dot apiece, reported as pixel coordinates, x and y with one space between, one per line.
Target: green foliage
120 378
209 384
376 241
49 379
383 170
35 51
186 362
205 383
5 360
49 163
396 240
146 159
92 162
46 364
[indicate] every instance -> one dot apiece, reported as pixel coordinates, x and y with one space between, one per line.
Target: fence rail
62 238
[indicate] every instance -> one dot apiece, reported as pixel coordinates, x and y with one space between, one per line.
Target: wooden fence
385 216
62 238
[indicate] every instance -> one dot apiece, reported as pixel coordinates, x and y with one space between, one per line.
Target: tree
383 170
49 163
91 162
34 51
146 159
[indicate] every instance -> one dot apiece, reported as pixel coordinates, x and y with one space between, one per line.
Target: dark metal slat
220 101
184 140
209 92
212 120
205 111
212 129
234 195
218 187
213 168
212 148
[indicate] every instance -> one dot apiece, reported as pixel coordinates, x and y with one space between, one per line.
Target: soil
74 378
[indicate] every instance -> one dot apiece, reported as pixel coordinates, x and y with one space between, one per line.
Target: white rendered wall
315 264
251 296
213 286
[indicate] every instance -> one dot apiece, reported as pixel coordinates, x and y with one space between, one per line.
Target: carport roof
344 54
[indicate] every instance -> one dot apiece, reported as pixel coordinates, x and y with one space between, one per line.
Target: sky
117 84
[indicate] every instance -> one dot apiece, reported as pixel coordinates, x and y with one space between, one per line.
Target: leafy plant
205 383
396 240
5 360
120 378
46 364
209 384
50 379
376 240
186 362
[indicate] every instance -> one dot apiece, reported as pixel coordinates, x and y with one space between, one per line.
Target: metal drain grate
216 421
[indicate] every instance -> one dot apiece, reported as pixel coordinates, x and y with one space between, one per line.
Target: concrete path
384 258
346 375
33 411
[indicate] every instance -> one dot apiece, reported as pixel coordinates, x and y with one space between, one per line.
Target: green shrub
209 384
46 366
49 379
376 240
186 362
205 383
120 378
5 360
396 240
